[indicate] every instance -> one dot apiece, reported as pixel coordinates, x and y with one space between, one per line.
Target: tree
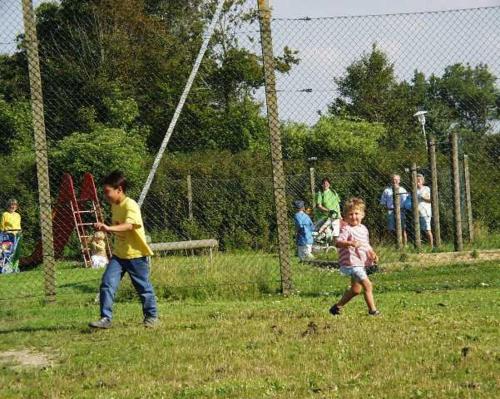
462 95
366 88
100 151
471 94
332 138
88 48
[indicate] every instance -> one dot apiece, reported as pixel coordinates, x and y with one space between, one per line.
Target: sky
326 46
322 8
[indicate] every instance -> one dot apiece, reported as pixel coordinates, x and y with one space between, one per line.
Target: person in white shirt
387 201
424 208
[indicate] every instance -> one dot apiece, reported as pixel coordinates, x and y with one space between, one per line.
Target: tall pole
457 212
276 151
42 164
434 192
414 206
397 215
425 137
468 199
312 182
180 105
190 197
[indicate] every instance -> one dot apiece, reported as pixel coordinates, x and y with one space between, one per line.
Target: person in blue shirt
305 228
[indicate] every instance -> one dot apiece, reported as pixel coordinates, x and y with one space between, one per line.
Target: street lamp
420 115
312 178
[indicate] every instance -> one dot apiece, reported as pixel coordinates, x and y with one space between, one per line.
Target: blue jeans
138 270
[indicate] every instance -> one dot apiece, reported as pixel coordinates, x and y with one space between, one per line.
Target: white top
424 207
387 199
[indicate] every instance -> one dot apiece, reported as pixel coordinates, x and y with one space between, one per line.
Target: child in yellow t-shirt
130 253
11 220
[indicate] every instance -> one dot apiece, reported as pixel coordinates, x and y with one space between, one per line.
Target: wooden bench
211 244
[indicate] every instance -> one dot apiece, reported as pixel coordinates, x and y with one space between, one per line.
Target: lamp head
420 115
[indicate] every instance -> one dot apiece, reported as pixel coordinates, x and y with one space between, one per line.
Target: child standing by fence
305 227
130 253
356 254
11 220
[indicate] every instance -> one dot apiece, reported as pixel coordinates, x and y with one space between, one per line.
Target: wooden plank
183 245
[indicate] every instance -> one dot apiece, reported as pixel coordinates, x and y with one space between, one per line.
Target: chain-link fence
219 211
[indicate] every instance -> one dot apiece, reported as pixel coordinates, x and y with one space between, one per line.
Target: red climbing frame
66 216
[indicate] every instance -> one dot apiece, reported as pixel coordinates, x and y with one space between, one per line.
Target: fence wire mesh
347 90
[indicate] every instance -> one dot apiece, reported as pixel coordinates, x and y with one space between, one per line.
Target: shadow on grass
82 287
55 328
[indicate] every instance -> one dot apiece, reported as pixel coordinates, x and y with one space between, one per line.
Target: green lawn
438 337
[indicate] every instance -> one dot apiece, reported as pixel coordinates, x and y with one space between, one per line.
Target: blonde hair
99 235
354 203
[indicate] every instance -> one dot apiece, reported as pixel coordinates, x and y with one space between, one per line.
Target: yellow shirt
10 221
129 244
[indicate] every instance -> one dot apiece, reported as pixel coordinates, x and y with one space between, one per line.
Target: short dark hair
116 179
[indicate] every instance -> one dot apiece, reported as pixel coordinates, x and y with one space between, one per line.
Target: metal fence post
190 198
397 215
31 43
457 212
414 207
468 199
276 149
434 192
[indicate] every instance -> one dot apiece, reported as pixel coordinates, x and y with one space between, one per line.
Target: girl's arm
347 244
372 255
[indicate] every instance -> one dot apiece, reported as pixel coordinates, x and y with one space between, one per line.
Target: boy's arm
114 229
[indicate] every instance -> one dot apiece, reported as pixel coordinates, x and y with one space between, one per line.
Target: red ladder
87 211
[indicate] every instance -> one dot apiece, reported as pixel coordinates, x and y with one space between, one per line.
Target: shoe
374 313
151 322
103 323
335 310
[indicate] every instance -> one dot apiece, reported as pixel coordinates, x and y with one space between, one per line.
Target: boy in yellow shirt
11 220
130 253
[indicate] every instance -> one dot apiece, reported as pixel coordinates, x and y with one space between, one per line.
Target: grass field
438 337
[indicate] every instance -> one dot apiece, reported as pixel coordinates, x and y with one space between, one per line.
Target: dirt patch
25 358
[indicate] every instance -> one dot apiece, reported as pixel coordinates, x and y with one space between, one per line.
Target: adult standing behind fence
424 208
387 201
327 210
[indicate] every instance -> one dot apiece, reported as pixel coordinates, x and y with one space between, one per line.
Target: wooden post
190 197
434 192
397 216
468 199
42 167
414 207
312 182
276 147
457 214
